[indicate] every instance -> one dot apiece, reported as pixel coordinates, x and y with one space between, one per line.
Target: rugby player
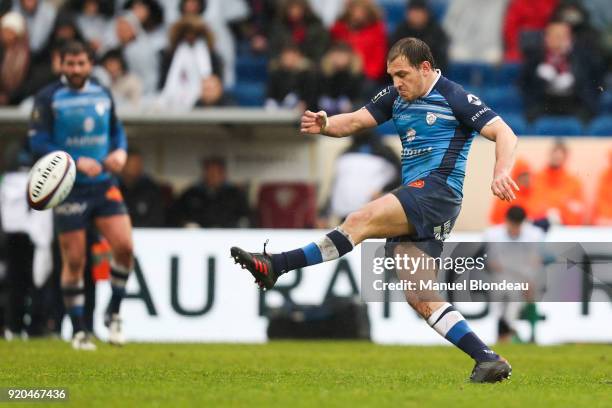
437 121
77 115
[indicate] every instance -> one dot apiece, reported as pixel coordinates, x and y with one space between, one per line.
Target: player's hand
88 166
314 123
115 161
503 186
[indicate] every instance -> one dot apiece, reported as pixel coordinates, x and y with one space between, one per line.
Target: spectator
219 15
362 27
419 23
363 172
256 28
340 79
190 63
560 78
576 15
125 86
291 81
213 202
296 23
523 20
327 10
602 214
29 258
212 94
473 27
142 195
522 174
557 194
93 19
39 16
14 56
513 256
140 50
41 73
65 29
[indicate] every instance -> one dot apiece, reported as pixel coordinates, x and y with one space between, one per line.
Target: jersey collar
439 74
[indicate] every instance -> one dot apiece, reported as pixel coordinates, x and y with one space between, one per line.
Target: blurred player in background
437 121
77 115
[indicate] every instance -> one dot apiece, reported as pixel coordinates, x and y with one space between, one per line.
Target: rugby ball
51 180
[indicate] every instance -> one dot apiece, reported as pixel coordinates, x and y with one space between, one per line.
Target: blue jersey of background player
436 120
77 115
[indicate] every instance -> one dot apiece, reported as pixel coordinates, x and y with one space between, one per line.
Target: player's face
409 81
76 68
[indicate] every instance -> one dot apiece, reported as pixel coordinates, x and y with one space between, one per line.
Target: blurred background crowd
529 60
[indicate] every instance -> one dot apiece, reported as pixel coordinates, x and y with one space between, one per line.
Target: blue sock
450 324
74 301
335 244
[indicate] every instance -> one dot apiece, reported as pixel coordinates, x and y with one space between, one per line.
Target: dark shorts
432 208
87 202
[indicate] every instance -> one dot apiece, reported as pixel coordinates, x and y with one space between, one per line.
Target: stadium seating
503 99
250 93
287 205
558 126
601 126
517 122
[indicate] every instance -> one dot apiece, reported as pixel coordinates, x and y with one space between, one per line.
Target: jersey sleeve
381 106
469 109
40 130
118 139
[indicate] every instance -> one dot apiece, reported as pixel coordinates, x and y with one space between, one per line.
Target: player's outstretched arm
505 145
342 125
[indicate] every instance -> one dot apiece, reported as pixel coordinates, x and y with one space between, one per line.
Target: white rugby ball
51 180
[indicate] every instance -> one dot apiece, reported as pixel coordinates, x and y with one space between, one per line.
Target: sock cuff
73 290
438 313
119 269
341 241
346 235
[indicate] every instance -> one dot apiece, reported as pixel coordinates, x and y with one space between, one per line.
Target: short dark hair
516 214
76 48
414 50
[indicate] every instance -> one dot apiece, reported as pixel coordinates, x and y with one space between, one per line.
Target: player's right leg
72 247
381 218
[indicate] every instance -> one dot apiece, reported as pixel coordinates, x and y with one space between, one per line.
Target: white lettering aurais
475 284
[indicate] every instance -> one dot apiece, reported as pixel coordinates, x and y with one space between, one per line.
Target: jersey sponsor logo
380 94
410 135
88 124
407 152
100 108
71 209
480 113
417 184
86 141
430 118
474 100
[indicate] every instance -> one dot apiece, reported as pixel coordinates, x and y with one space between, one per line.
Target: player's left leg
447 321
117 229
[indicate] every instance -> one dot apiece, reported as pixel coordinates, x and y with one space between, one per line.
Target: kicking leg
448 322
382 218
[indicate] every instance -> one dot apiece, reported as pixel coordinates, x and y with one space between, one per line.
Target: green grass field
306 374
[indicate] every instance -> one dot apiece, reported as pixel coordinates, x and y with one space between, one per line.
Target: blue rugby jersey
436 130
80 122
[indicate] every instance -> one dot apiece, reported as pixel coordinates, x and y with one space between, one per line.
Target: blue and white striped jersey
80 122
436 130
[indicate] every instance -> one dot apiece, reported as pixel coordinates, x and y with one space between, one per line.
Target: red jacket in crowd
524 15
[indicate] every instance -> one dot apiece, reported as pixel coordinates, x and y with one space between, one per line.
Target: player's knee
124 252
75 265
360 218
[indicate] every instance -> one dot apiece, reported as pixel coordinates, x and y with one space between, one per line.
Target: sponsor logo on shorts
441 232
417 184
71 209
114 194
